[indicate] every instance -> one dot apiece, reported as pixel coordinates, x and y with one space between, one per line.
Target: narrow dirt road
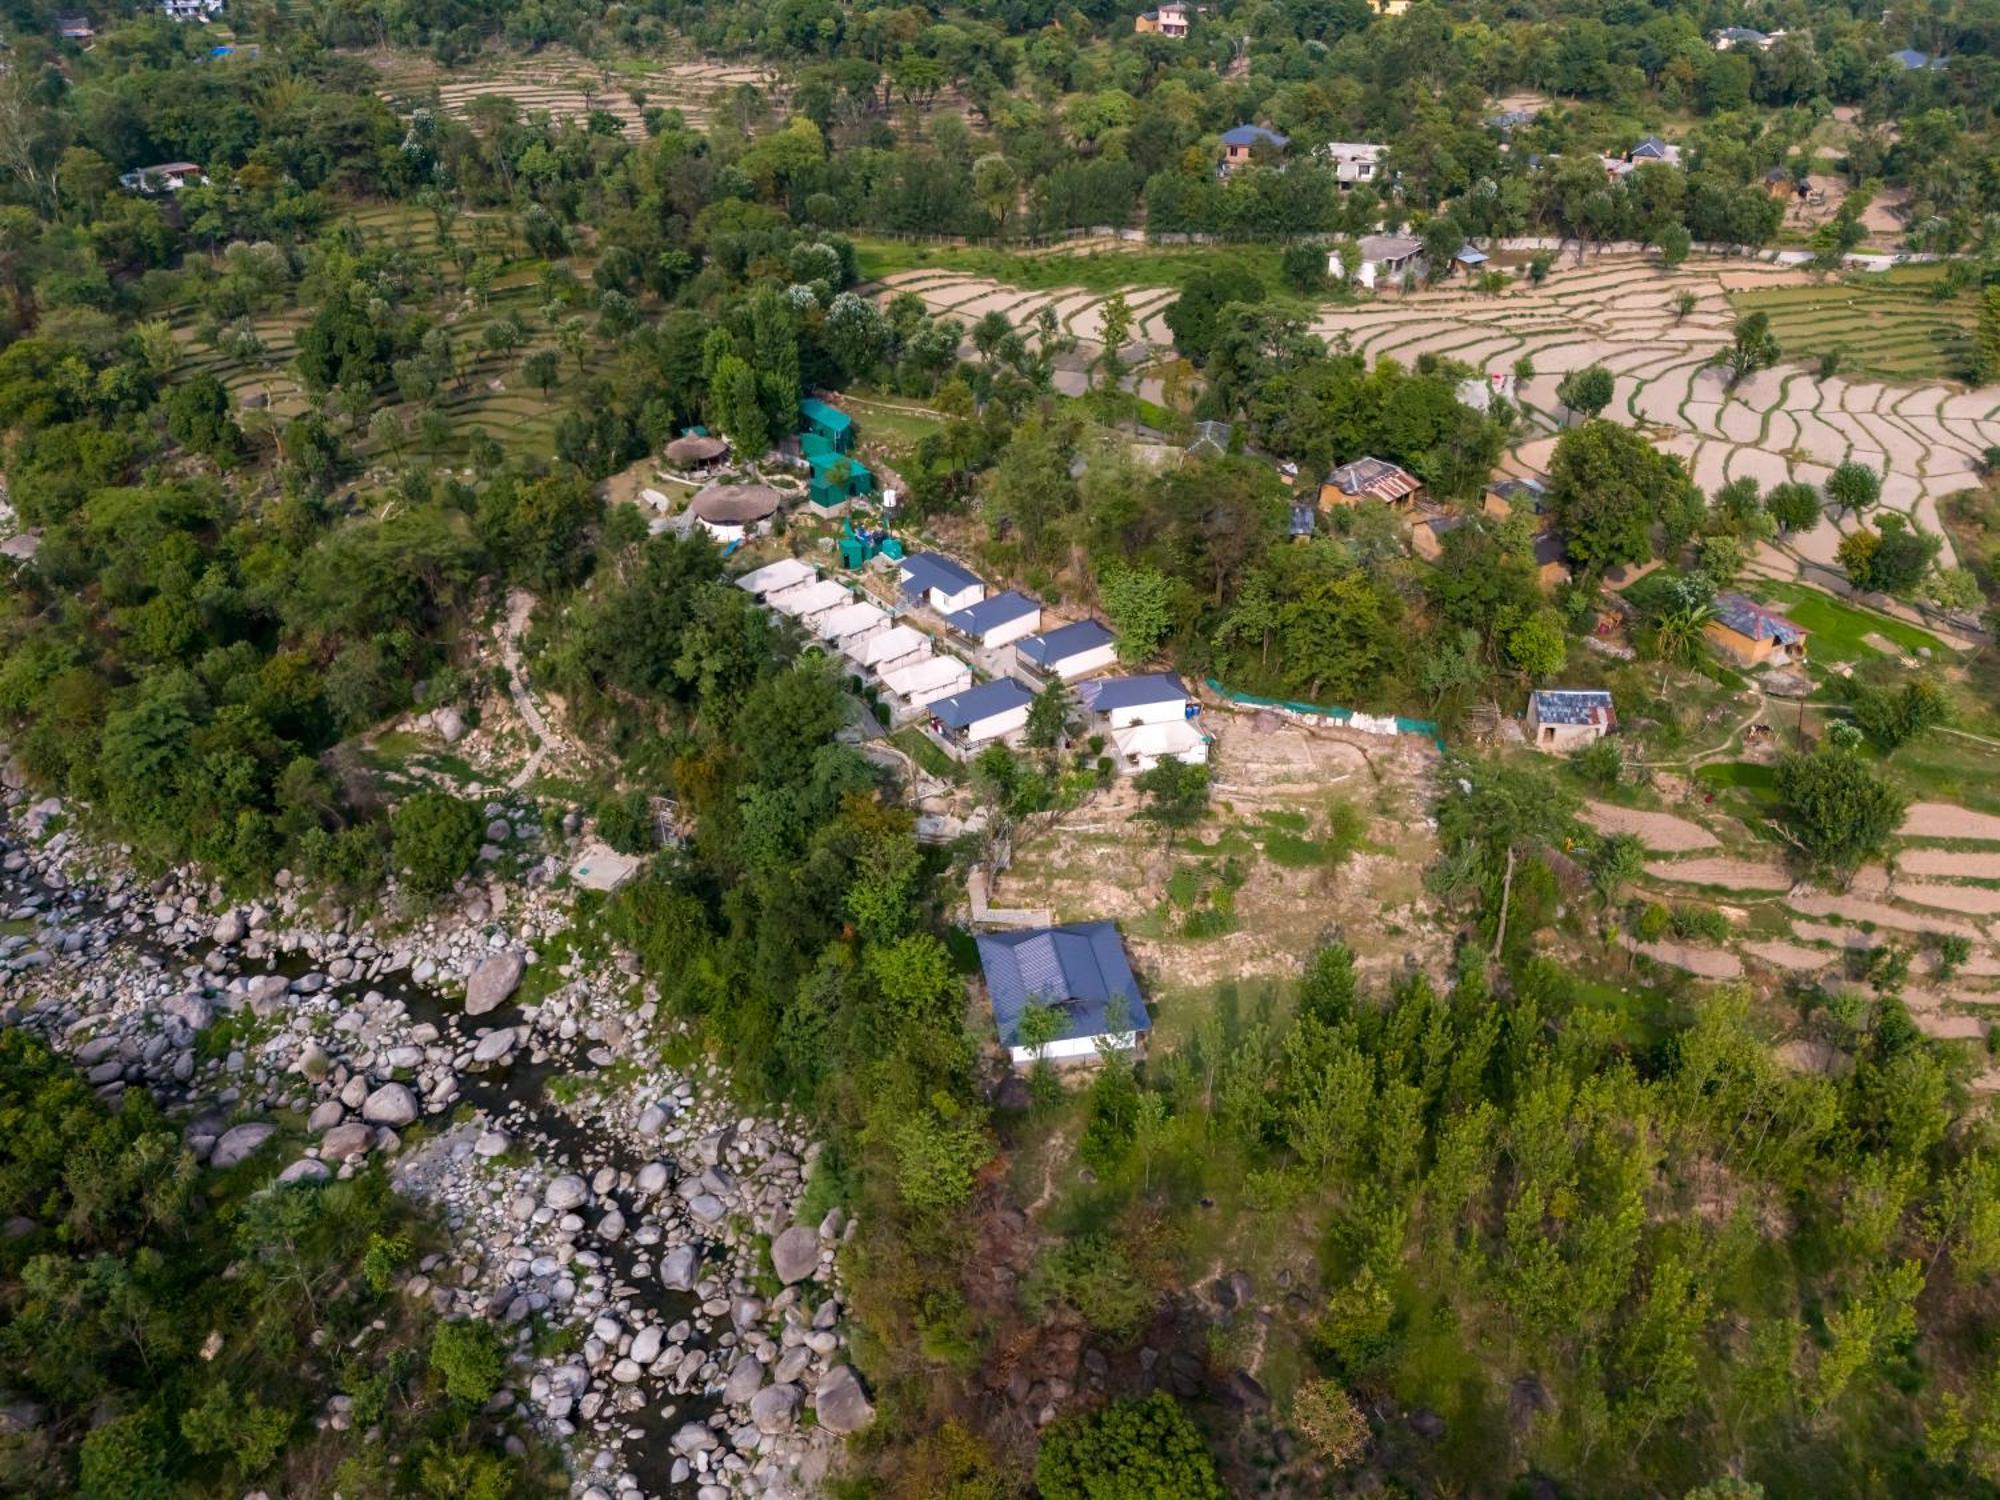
520 607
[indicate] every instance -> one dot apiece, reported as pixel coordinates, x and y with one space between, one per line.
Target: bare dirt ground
1273 785
1795 957
1948 864
1973 900
1735 874
1941 820
1856 910
1661 832
1704 963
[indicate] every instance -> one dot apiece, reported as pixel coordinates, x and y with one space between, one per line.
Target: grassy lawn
1837 628
919 746
1094 271
896 423
1886 324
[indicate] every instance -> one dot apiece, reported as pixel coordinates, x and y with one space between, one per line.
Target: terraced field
491 395
1887 325
569 87
1618 311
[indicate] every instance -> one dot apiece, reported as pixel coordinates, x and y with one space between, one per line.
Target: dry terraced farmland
1888 325
569 87
1619 311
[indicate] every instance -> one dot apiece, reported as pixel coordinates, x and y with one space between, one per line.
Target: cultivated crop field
1889 325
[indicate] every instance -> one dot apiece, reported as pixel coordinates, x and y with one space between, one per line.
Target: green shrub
1130 1450
1653 922
435 837
469 1357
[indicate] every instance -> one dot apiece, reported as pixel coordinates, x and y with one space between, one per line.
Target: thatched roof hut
735 504
685 452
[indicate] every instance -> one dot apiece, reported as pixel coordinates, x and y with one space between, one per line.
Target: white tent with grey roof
881 652
927 679
772 578
851 622
809 599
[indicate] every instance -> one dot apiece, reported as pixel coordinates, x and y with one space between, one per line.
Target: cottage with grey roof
934 579
997 621
1080 971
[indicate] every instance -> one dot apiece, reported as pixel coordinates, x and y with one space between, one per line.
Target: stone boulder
746 1378
239 1142
229 929
493 981
795 1254
775 1408
840 1403
391 1104
565 1192
343 1141
450 725
494 1045
677 1268
305 1169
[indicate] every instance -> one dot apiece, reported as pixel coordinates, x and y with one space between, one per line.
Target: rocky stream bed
588 1188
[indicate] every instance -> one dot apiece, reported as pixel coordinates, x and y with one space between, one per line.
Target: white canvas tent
785 573
883 651
851 621
928 679
805 600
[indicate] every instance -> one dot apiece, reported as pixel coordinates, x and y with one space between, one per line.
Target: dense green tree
436 836
1837 809
1130 1450
1610 487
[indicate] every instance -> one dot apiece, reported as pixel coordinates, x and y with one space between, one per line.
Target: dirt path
520 607
1663 833
1942 820
1856 910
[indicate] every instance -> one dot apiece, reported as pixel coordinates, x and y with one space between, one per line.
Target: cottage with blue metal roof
934 579
1069 651
1564 719
1153 698
983 713
998 620
1081 972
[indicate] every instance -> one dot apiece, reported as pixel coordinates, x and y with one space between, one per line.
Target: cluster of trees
171 1331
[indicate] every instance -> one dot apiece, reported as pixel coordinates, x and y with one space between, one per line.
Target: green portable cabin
837 479
817 419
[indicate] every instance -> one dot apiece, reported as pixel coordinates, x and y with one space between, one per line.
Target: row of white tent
903 660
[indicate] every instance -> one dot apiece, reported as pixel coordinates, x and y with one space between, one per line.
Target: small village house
998 620
696 452
1551 562
1241 145
75 28
982 714
1512 496
1750 635
1080 971
946 586
828 423
1169 20
1069 651
165 177
1154 698
1382 257
1370 479
1353 161
1564 719
190 10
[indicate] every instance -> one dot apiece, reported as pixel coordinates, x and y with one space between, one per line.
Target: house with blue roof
1240 146
1153 698
1080 972
1069 651
998 620
984 713
1910 60
1749 634
934 579
1564 719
